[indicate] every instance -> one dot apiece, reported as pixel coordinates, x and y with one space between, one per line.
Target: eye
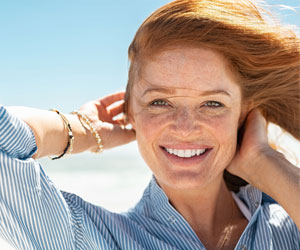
159 103
213 104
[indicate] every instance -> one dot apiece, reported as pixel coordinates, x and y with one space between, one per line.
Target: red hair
264 57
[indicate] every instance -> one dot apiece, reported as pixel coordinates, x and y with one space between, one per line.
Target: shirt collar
251 196
155 205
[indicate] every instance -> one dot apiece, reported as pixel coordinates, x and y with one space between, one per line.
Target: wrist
93 139
69 147
83 139
269 168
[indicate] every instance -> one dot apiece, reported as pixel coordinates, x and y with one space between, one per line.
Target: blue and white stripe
34 214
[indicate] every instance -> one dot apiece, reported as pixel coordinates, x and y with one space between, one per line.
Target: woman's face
185 109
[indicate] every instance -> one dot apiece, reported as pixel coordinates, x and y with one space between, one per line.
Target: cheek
225 128
148 125
148 130
225 134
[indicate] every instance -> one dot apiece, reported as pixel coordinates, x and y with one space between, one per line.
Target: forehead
199 69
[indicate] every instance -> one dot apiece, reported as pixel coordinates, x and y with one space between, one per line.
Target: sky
61 54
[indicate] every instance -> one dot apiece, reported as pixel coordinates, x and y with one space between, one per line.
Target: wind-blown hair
264 57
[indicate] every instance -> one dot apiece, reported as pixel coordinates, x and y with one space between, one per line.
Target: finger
258 123
118 122
110 99
256 116
121 121
116 110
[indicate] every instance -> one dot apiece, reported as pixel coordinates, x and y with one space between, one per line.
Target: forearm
51 133
278 178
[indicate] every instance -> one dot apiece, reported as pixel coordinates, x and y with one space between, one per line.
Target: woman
205 76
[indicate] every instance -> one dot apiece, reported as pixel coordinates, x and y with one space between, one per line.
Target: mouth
186 155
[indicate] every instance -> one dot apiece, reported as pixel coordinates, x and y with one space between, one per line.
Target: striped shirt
34 214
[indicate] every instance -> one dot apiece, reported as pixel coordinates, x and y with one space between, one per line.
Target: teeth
200 151
185 153
181 153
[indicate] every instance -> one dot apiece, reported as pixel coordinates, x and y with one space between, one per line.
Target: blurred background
63 53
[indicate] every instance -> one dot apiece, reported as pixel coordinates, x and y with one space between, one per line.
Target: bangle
69 146
85 120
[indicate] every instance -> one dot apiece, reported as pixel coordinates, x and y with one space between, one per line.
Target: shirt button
256 204
243 247
172 219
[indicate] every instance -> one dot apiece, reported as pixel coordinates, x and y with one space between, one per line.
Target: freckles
148 123
223 127
217 122
153 122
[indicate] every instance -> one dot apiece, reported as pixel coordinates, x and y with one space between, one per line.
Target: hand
102 114
253 146
265 168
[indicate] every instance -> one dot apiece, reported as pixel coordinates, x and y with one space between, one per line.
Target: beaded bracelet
69 146
85 120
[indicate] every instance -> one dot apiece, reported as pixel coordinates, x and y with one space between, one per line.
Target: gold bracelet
85 120
69 146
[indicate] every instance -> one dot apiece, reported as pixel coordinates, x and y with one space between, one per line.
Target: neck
207 210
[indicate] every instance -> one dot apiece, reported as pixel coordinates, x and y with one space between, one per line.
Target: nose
184 122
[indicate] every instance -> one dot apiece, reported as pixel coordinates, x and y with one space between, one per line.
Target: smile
185 153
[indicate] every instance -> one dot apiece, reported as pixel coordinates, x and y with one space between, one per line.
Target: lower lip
187 161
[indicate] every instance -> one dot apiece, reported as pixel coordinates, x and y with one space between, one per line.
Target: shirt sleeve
16 138
33 212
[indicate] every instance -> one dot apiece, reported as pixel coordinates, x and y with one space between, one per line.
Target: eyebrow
173 91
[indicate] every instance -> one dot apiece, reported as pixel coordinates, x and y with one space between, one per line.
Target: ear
245 109
242 118
130 118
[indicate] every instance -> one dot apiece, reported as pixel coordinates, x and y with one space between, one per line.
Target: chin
186 180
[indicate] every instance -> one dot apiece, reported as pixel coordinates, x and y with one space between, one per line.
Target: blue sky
62 53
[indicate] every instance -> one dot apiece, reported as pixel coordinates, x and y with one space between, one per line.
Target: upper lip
185 146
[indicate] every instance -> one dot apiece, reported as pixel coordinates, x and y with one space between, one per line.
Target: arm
33 212
278 178
51 135
268 170
28 199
